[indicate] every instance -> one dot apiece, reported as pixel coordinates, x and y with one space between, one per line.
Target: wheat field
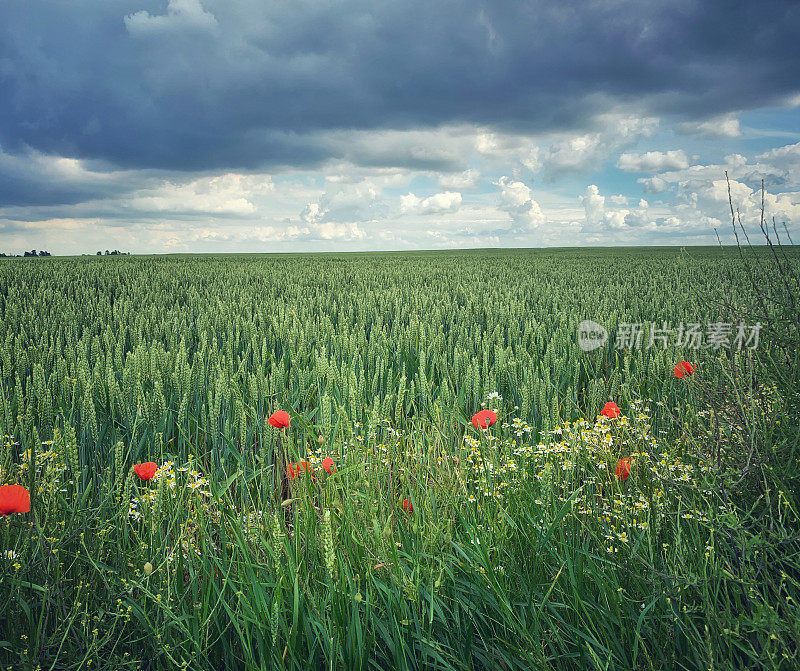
382 527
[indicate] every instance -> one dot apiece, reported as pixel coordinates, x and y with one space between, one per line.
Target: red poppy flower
407 506
623 468
484 419
146 471
683 369
280 419
610 410
298 468
328 465
14 499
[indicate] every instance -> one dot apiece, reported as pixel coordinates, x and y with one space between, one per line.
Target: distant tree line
33 252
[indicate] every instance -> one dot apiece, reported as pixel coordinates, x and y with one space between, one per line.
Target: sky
172 126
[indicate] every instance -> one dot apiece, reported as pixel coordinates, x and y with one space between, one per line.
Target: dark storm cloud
31 179
252 83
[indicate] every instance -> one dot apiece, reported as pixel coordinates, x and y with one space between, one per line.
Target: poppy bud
148 568
321 439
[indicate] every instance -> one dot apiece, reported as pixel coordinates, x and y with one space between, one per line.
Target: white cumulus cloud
448 201
181 14
785 157
223 194
517 200
590 150
724 126
654 161
468 179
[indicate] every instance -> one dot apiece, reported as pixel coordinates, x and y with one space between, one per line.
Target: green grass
524 551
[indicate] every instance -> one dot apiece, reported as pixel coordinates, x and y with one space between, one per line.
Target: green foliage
505 561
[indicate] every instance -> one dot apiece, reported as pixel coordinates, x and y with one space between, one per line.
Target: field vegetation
382 528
